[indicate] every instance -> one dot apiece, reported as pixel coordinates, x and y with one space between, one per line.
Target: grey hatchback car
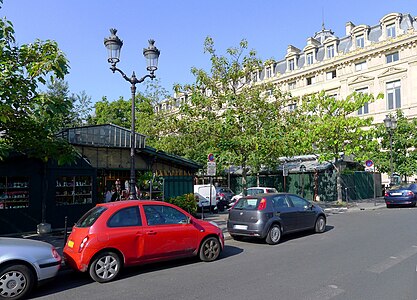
269 216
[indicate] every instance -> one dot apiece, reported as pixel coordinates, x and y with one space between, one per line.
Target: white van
204 190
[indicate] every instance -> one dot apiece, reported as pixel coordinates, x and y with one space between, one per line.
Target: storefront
32 192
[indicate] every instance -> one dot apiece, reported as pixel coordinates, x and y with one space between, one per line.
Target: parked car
224 195
125 233
402 194
24 264
253 191
269 216
205 190
202 202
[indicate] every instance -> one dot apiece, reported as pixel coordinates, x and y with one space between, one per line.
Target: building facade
377 59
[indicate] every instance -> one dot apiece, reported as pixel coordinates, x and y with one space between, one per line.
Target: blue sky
179 29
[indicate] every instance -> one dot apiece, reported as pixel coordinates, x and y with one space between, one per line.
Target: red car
125 233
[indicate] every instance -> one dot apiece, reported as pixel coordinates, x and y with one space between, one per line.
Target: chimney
349 27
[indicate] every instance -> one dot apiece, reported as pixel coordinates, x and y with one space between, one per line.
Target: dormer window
360 41
360 38
391 32
330 51
309 58
291 64
390 26
268 72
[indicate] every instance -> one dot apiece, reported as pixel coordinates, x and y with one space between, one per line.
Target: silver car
25 263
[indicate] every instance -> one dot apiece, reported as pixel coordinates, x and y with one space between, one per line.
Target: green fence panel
326 189
177 186
356 186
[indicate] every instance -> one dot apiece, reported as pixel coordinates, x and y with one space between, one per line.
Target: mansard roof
344 44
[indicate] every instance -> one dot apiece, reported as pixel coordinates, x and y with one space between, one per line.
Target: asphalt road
362 255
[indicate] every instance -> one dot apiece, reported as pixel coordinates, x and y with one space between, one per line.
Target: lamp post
390 124
114 45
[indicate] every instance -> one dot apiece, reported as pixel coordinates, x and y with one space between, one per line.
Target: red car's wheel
210 249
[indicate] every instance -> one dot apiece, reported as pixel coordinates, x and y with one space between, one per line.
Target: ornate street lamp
390 124
114 45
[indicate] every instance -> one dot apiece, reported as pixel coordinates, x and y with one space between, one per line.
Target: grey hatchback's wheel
320 225
16 281
105 267
274 235
210 249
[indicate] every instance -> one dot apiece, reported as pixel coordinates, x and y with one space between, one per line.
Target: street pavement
57 237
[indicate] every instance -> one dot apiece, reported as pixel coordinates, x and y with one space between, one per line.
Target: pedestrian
108 196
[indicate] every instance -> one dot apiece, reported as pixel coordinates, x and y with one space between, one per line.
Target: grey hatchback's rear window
91 216
247 204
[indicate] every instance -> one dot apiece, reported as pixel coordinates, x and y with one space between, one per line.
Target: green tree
27 117
227 112
119 112
404 147
334 128
77 106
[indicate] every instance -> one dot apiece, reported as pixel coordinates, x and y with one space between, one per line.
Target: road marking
326 293
393 260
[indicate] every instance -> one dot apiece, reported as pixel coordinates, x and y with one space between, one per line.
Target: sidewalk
56 237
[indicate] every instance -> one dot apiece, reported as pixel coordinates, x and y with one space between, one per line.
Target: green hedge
186 202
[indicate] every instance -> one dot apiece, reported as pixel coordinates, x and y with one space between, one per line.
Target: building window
291 85
392 57
360 66
269 92
330 51
309 58
360 41
268 73
365 108
291 64
391 30
394 94
331 75
255 77
292 107
311 80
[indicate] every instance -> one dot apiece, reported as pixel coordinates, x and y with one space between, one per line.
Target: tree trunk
244 182
339 182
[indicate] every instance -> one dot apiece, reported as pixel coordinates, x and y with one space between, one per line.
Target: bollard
65 231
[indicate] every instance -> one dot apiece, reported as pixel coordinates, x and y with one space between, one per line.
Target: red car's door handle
151 232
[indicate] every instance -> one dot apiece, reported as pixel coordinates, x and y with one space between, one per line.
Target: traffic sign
211 168
210 157
369 163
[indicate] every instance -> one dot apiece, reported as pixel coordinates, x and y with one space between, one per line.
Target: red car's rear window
91 216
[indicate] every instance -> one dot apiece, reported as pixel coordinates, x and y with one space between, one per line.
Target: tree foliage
404 147
228 112
334 129
27 117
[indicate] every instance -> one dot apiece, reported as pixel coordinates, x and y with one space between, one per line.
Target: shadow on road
68 279
286 237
